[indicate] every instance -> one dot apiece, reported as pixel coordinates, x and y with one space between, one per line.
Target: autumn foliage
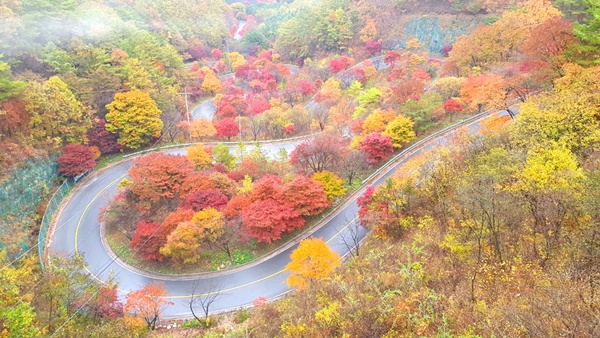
376 146
492 238
268 187
147 240
199 156
307 195
227 128
332 184
323 152
135 117
157 175
484 90
267 220
202 199
202 128
99 137
75 160
147 303
311 261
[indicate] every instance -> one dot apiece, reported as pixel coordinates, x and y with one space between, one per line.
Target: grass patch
219 260
105 160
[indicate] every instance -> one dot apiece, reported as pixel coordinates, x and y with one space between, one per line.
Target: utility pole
187 113
224 41
240 135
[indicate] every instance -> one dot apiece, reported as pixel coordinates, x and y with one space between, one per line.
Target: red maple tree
336 65
217 53
227 128
258 105
267 220
306 88
452 106
75 160
105 304
376 146
391 57
245 72
226 110
203 199
364 205
147 240
373 47
307 195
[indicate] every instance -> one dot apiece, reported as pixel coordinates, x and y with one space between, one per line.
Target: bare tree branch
204 300
351 237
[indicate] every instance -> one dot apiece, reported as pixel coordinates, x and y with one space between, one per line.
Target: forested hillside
495 234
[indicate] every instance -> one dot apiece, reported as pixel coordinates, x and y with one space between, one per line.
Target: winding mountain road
206 110
77 230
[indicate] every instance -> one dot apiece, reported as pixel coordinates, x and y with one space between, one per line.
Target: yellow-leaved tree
210 222
211 83
236 59
135 117
56 113
550 183
400 130
311 261
568 116
184 243
16 313
333 185
198 155
377 121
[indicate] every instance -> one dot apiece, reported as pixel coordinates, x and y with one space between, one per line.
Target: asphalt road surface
77 230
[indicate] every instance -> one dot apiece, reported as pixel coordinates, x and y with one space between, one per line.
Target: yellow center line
81 219
342 229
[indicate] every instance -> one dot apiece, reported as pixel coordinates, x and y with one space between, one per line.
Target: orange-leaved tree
201 128
481 90
307 195
157 175
147 303
311 261
185 242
